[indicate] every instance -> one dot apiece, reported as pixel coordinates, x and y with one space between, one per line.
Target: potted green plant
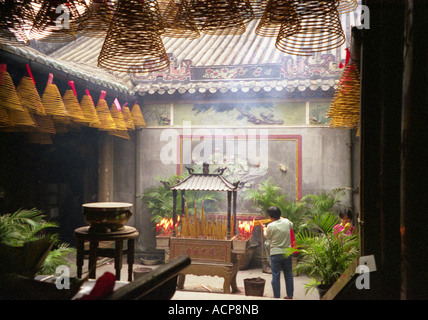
159 199
296 212
27 236
28 247
324 202
266 195
324 255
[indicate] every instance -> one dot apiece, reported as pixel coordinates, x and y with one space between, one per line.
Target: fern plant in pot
28 247
267 194
28 237
324 255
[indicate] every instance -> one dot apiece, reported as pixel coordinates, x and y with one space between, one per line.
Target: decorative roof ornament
205 181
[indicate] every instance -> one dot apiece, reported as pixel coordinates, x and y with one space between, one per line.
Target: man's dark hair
274 212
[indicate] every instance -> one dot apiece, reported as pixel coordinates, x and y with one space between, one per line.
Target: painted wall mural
157 115
296 113
318 112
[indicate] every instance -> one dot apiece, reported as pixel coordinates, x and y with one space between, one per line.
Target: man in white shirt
278 233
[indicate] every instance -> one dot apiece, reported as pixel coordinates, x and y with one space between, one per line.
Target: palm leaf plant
266 195
28 245
296 212
324 256
159 199
324 202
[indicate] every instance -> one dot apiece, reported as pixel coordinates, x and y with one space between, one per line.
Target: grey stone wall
324 155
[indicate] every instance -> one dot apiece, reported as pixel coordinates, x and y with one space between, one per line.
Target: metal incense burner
107 216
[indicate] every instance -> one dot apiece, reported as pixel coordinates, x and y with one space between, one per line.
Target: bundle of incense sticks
201 226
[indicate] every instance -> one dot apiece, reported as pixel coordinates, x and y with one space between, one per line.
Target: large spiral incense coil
106 122
346 6
100 15
20 119
9 98
73 107
127 117
258 7
52 102
222 16
116 113
44 124
88 109
58 21
120 134
15 17
133 39
276 14
179 22
4 118
137 116
319 29
29 96
344 110
121 129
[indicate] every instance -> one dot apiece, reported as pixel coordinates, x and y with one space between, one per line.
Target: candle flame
246 229
165 226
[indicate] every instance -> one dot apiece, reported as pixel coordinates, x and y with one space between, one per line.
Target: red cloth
103 287
293 240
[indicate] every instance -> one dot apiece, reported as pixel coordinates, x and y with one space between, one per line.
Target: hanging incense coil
9 98
133 39
52 102
117 116
127 117
20 118
137 116
121 134
346 6
222 16
319 29
344 110
15 17
58 21
276 14
88 109
44 123
101 13
72 105
179 22
4 118
258 7
106 122
29 96
73 108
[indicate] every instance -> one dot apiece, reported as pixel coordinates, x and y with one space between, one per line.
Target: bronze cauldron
107 216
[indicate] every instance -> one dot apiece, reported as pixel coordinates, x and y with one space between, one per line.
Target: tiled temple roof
205 182
211 63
